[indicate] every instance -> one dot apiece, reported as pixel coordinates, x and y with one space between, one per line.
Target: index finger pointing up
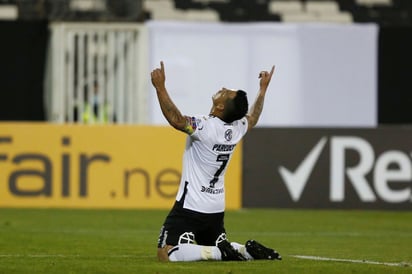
271 72
162 67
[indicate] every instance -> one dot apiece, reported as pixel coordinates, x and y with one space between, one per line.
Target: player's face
219 99
222 95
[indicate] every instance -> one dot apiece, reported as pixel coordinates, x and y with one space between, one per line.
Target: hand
158 76
265 78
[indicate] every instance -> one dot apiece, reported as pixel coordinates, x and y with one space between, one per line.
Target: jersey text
221 147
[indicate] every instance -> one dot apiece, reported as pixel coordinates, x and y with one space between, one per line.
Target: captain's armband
190 126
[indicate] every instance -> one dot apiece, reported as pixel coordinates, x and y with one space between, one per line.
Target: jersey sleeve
244 125
193 125
200 122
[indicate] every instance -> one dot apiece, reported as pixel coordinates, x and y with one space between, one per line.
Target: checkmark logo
297 180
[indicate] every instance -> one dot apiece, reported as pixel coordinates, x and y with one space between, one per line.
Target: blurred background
88 61
338 105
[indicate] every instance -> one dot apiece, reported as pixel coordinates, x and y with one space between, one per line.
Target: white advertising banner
326 75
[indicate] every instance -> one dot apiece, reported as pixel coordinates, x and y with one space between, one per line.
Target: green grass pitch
124 241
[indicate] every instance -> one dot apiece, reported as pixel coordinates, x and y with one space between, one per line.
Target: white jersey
207 154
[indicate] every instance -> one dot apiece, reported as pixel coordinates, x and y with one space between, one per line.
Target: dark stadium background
24 44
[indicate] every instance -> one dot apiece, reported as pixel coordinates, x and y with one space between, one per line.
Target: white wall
325 74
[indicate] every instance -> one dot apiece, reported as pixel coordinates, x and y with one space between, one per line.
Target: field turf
124 241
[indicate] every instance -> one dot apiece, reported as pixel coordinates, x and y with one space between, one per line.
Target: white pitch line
316 258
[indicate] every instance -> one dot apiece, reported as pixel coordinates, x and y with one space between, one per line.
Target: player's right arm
169 109
257 107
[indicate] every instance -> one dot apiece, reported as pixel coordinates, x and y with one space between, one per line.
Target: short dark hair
236 108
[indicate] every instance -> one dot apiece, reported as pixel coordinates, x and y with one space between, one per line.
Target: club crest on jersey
228 135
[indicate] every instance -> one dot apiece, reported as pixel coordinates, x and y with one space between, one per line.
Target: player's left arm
169 109
257 107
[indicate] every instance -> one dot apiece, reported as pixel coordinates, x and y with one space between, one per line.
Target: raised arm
169 109
257 107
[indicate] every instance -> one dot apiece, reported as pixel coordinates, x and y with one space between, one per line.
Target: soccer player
194 228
